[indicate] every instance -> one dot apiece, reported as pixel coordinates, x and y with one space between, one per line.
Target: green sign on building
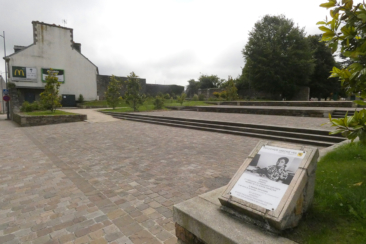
60 74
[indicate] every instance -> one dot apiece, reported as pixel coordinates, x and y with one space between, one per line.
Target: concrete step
276 131
342 113
345 104
315 137
268 127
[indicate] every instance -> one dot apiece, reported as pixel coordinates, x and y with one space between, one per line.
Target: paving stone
61 181
113 236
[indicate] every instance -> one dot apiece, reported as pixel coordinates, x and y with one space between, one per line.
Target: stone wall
28 120
209 92
103 81
302 95
155 89
16 100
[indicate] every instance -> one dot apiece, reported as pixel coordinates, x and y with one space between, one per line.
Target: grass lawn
41 113
103 103
338 212
149 105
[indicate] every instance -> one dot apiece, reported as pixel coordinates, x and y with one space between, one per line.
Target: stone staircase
342 113
313 137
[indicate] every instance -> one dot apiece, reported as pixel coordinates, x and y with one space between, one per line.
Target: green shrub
167 96
223 95
25 107
81 98
216 94
181 98
195 97
29 107
159 102
201 97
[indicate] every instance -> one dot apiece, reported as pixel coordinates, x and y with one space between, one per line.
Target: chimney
18 48
77 46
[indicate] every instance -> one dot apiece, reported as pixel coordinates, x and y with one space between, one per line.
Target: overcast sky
164 41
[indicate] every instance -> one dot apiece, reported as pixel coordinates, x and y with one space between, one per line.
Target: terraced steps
342 113
296 135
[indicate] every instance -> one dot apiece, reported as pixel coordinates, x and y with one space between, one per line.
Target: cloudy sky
164 41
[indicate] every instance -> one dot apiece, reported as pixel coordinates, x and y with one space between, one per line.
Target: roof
53 25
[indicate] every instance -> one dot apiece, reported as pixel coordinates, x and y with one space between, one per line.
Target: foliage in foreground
351 127
348 28
338 212
50 98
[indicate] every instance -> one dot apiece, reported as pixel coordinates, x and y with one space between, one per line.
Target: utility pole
1 83
6 77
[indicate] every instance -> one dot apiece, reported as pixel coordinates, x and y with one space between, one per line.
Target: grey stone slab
203 217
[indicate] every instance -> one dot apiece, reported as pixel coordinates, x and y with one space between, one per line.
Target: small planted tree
113 93
133 96
50 98
181 98
159 102
231 90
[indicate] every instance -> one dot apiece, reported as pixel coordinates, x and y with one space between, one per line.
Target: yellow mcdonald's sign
20 72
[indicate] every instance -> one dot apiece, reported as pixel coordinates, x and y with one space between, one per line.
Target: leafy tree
209 81
50 98
181 98
132 95
192 87
320 85
113 93
278 57
347 28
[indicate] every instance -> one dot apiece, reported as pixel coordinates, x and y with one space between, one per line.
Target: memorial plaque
275 184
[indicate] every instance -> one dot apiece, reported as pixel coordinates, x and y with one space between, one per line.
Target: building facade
53 48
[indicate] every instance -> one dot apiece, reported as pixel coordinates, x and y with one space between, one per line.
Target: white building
53 47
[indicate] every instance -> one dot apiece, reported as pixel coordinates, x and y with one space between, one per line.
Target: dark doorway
29 97
68 100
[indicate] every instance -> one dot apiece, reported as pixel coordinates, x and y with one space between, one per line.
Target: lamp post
6 77
1 83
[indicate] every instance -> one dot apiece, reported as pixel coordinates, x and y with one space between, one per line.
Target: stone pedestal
201 220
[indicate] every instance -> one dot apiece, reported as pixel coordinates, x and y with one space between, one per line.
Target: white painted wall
53 49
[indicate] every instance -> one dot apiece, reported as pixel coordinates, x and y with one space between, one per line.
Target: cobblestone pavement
288 121
112 182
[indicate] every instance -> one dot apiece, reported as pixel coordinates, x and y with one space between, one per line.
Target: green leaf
362 16
321 23
336 132
329 34
348 121
360 102
325 29
327 5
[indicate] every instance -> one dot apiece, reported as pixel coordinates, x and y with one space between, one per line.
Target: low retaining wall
266 111
29 120
345 104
